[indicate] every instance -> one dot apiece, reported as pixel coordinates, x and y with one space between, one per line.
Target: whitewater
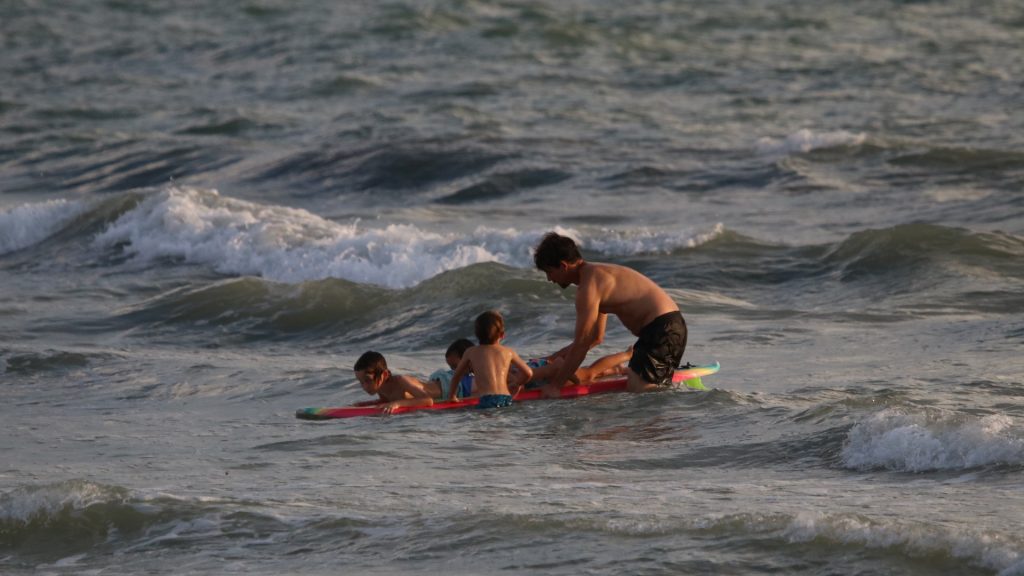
207 213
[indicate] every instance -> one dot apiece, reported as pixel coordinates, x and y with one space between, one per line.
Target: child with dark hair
442 378
400 390
396 390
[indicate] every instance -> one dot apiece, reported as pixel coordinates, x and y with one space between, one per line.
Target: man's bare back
634 298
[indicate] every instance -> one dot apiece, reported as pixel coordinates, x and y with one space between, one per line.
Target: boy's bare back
490 365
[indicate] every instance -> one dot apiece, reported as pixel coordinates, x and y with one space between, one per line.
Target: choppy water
207 212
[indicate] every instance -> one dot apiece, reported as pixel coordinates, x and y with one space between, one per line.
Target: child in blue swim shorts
490 363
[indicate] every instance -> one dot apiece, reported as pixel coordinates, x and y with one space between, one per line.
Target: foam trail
26 503
648 242
29 224
990 550
894 440
803 141
291 245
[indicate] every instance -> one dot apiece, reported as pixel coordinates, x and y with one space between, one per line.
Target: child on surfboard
398 390
442 378
490 363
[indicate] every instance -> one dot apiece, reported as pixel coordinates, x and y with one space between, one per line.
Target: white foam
621 243
982 548
291 245
803 141
29 224
894 440
24 504
947 194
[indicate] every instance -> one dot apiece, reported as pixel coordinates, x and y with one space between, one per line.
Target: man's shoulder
596 271
605 276
607 269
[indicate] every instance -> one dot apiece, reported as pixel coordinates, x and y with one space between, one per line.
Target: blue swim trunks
495 401
535 363
444 378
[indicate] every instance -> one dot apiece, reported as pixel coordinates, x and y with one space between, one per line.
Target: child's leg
543 373
549 369
609 365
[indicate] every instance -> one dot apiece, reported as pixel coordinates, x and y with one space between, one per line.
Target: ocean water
208 211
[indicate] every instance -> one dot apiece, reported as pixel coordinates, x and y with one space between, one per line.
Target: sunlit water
208 213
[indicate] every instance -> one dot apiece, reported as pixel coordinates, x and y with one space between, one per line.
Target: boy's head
489 327
555 249
454 353
371 370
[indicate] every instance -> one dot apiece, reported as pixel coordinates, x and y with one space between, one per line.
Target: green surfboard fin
694 384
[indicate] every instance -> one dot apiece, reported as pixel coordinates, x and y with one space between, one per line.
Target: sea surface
209 210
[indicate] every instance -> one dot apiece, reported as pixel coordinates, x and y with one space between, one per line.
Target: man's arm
595 341
598 336
590 325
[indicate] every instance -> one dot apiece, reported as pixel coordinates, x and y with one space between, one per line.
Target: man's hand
550 390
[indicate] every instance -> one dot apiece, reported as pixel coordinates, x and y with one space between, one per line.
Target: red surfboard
618 384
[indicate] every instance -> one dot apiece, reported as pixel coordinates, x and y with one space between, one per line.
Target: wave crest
894 440
292 246
29 224
803 141
55 520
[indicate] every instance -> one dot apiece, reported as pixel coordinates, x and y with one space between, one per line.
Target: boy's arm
412 387
460 371
524 372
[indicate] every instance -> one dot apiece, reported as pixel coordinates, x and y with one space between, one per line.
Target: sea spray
895 440
28 224
803 141
291 245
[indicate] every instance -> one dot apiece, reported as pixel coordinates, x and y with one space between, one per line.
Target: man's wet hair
555 249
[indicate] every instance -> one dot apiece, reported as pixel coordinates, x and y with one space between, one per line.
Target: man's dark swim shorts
660 348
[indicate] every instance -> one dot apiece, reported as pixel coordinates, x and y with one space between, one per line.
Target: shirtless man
642 306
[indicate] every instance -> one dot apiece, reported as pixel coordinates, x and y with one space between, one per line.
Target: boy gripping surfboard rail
398 390
642 306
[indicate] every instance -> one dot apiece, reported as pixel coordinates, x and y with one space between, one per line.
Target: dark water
207 212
